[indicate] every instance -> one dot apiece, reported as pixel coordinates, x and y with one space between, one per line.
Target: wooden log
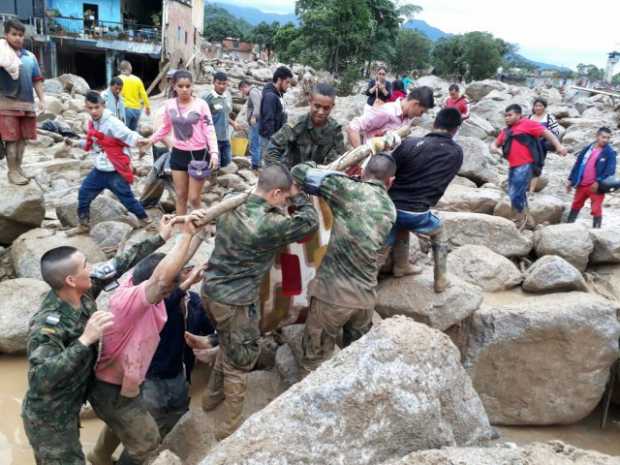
353 157
594 91
158 78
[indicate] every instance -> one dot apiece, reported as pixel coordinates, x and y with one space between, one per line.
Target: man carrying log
314 137
343 292
247 242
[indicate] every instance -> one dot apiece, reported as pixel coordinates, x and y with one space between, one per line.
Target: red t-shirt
461 104
396 94
519 153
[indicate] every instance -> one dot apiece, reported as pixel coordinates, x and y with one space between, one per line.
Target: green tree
448 57
616 80
220 24
264 35
412 51
592 72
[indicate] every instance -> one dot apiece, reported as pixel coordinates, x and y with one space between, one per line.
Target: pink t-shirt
191 126
128 347
589 173
378 120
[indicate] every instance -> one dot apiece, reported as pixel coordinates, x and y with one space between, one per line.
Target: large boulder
542 360
479 89
192 437
413 296
480 266
543 209
103 208
28 249
167 458
491 111
476 127
498 234
572 242
74 84
21 209
262 74
478 164
401 377
458 198
553 274
606 246
19 300
552 453
53 86
110 234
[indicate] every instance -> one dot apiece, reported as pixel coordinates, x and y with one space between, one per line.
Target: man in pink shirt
129 345
594 164
390 116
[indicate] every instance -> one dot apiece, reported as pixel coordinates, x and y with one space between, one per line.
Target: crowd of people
132 361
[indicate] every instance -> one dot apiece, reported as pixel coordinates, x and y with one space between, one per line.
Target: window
178 33
185 37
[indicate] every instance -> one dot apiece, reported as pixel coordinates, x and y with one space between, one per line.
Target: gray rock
243 163
572 242
262 74
230 181
552 453
28 249
191 438
533 350
110 233
478 164
479 89
606 246
102 209
552 274
231 168
287 366
498 234
476 200
476 127
167 458
54 105
543 209
53 86
355 408
19 301
414 297
21 209
74 84
480 266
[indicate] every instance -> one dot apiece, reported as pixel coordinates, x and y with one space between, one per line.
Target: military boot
440 262
82 228
400 254
14 174
597 222
572 216
107 442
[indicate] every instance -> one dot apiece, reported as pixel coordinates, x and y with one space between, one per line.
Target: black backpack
532 144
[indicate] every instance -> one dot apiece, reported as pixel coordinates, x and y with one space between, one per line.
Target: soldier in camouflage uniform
314 137
343 292
247 242
62 350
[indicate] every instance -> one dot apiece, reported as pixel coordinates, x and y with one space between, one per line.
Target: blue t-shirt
29 72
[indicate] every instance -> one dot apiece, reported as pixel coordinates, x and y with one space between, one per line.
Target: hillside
255 16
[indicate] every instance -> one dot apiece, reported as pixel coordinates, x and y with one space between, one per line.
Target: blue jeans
422 223
132 117
96 182
255 147
518 184
225 152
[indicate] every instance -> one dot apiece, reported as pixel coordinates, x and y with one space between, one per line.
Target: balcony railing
34 25
105 30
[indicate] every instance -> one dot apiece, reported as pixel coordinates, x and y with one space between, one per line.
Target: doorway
91 16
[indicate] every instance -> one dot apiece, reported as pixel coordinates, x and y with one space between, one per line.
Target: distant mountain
255 16
429 31
538 64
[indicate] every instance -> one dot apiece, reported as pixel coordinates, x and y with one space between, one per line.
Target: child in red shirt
458 101
518 143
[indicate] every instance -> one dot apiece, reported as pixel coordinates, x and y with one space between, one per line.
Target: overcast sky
552 31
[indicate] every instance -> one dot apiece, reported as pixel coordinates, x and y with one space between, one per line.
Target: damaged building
90 38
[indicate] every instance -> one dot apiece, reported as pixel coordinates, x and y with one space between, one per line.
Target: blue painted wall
109 10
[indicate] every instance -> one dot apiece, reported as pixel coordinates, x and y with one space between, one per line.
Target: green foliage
264 35
473 56
616 80
348 79
220 24
412 51
592 72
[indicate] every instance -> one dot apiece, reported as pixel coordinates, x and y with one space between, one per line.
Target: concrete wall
198 18
178 32
109 10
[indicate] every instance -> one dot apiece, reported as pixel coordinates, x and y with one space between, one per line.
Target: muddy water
14 448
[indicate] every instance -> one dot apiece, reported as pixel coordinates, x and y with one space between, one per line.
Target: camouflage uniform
343 293
300 142
61 369
247 242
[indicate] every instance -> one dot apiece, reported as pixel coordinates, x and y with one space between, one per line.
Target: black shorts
179 159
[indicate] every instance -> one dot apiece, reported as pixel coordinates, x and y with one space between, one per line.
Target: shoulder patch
52 319
48 331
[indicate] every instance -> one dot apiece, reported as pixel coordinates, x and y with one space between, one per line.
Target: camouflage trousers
54 443
239 333
322 330
129 419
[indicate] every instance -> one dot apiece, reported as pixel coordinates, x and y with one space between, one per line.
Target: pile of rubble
525 335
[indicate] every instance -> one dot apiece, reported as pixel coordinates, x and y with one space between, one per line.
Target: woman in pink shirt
194 153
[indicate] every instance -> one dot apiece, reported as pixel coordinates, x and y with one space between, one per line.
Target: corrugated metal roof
146 48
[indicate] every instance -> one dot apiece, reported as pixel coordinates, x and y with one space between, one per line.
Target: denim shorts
422 223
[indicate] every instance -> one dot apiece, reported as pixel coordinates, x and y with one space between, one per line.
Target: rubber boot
12 162
597 222
572 216
107 443
82 228
400 254
440 262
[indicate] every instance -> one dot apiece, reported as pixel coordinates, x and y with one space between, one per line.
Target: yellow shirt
134 93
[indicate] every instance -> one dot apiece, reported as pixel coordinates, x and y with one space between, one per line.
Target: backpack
532 145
